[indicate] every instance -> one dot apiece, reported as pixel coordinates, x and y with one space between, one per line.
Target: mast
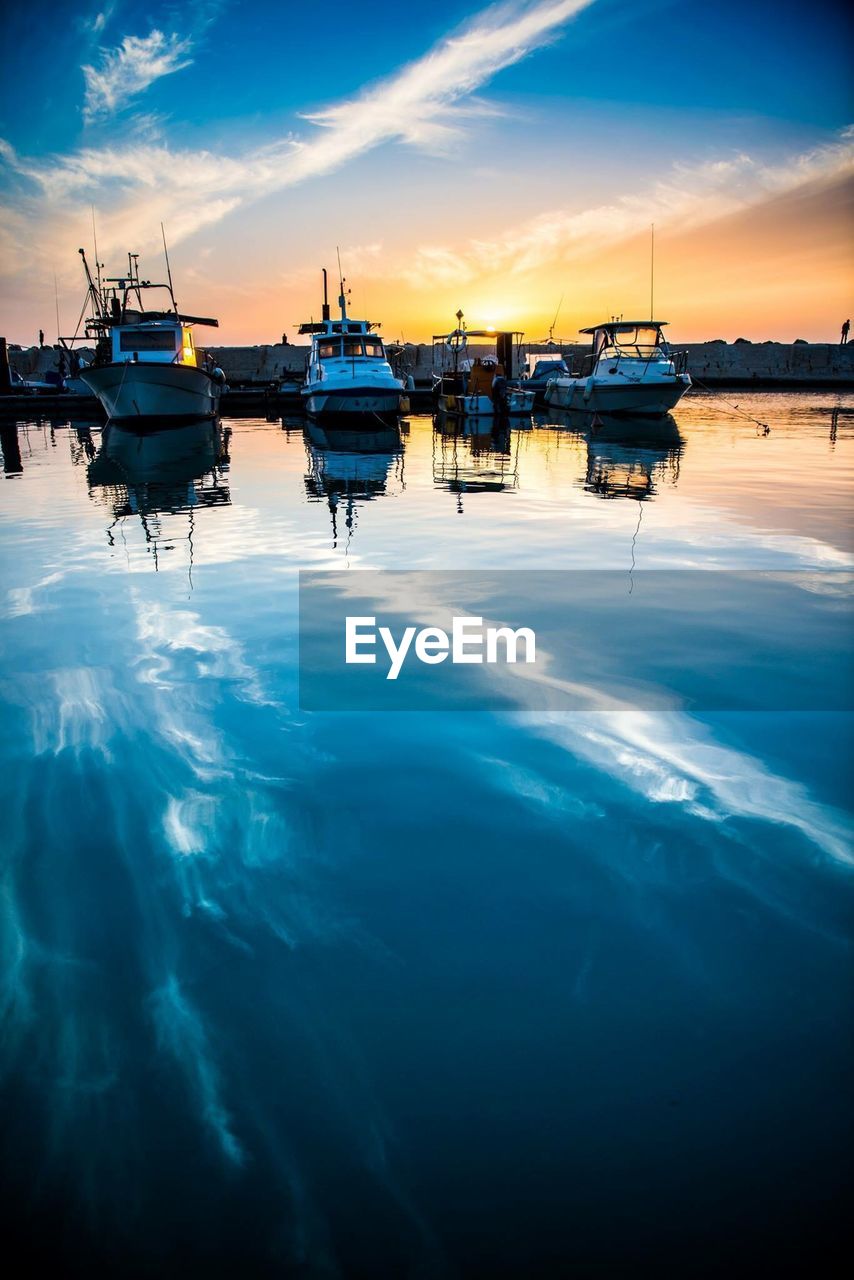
95 244
554 322
325 312
342 299
56 300
652 271
95 293
168 270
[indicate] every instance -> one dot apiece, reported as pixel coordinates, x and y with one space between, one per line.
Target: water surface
414 993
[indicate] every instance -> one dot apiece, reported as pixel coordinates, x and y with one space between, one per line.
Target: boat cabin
345 340
127 330
639 339
472 370
542 367
160 341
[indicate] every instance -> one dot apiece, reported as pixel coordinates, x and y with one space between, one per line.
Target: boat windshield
330 348
552 366
147 340
641 340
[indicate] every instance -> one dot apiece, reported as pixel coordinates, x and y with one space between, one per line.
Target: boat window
642 336
374 348
147 340
326 350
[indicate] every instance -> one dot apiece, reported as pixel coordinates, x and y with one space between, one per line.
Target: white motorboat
481 382
145 368
630 370
348 378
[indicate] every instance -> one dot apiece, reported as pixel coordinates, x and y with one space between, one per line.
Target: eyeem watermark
561 641
469 641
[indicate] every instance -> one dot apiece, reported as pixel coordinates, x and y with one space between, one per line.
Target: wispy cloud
100 20
688 196
126 71
416 105
92 24
135 186
140 180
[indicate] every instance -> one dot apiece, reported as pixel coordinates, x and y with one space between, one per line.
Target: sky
508 160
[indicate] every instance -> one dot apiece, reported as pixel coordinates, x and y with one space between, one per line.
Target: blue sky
255 64
592 103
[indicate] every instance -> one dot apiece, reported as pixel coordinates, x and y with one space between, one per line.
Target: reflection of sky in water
378 993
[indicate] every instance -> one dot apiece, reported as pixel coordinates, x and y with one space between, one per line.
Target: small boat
348 377
543 367
630 370
482 384
145 369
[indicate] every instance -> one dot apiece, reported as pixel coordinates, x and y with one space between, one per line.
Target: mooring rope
764 425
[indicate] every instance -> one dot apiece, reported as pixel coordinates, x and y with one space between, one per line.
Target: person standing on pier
41 339
845 331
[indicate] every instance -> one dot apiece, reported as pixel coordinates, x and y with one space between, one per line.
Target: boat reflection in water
475 454
163 473
626 457
347 467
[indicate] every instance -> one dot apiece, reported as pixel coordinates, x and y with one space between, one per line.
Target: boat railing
647 355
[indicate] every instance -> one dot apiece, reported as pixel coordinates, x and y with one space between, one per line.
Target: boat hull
651 398
355 405
518 403
136 392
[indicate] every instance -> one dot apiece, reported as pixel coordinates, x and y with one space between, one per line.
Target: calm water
410 994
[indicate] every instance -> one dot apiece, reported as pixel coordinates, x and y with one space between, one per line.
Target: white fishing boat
630 370
348 378
145 368
476 372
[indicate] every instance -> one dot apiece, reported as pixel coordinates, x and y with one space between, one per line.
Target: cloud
136 186
415 104
688 197
141 180
128 70
101 19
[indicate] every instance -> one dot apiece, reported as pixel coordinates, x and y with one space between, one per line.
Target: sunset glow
438 196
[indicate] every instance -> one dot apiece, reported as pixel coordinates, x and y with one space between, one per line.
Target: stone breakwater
759 364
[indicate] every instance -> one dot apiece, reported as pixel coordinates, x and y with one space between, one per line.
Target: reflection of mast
351 467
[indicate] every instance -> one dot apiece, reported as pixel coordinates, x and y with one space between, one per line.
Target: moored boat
542 368
630 370
348 377
484 383
146 369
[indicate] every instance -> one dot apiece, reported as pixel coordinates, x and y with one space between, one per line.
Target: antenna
168 268
342 300
56 300
652 271
95 243
554 322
